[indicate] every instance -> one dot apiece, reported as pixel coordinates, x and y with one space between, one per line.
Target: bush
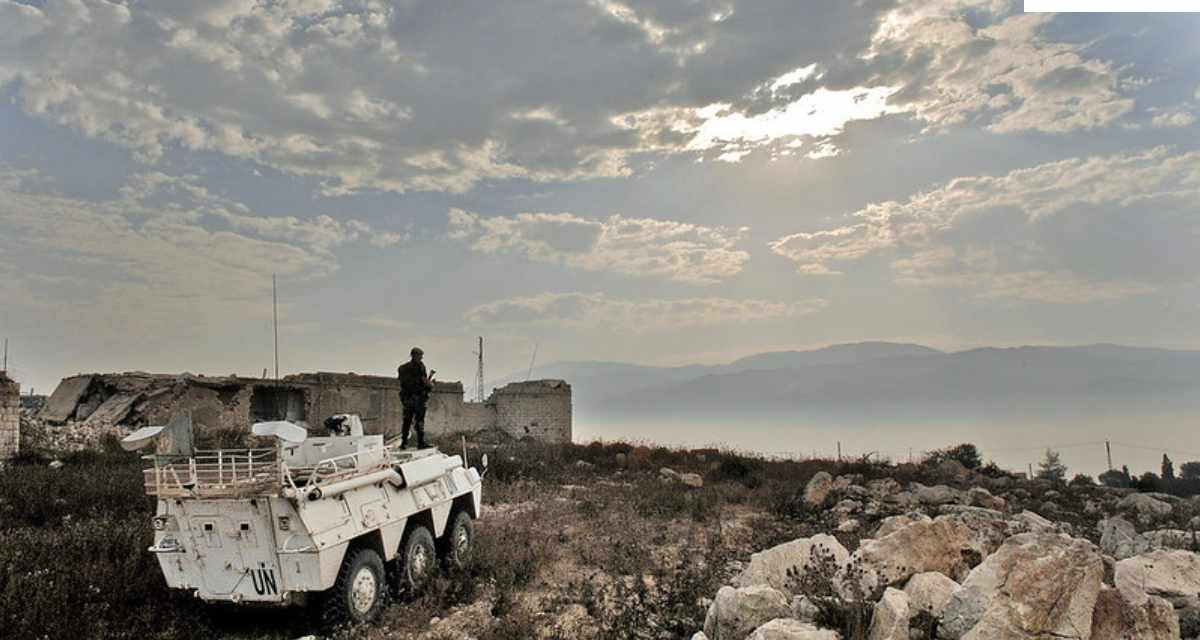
965 454
1082 480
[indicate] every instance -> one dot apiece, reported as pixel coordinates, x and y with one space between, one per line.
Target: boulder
849 526
692 480
890 620
1171 539
699 635
944 545
1145 505
788 629
883 487
804 609
1030 522
817 491
1171 574
980 497
735 613
848 506
893 524
953 471
929 591
1035 585
936 495
1115 618
1120 539
771 567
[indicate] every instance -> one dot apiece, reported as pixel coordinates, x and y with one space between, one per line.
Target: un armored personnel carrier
331 520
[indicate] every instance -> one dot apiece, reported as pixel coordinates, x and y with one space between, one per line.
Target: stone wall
10 417
537 408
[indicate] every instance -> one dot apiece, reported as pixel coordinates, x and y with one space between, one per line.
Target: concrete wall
10 417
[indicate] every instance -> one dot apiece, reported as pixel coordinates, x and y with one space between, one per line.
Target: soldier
415 386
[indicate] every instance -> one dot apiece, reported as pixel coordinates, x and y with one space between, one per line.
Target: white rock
1166 573
56 464
929 591
944 545
818 489
933 496
893 524
980 497
699 635
735 613
1115 618
691 480
890 620
1030 522
804 609
1120 539
788 629
770 567
1035 585
849 526
1144 505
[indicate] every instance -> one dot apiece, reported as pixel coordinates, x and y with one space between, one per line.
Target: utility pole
1108 450
1031 471
839 450
275 322
5 367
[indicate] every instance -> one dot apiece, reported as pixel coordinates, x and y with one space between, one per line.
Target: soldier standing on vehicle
415 385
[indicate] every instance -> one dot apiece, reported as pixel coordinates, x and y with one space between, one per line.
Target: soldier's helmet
416 351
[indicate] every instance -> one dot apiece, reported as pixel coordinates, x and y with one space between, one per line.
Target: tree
1081 479
1148 482
1190 470
1051 468
1168 469
1114 478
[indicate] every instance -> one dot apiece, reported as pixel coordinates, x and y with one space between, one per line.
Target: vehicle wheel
417 561
357 595
459 541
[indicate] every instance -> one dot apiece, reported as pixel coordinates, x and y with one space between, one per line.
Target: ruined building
10 416
222 405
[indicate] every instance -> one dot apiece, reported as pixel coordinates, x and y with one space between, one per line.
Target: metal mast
479 373
275 322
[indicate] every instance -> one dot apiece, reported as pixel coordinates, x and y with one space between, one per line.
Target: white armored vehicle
335 519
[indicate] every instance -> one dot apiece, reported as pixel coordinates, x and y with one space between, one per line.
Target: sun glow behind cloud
819 114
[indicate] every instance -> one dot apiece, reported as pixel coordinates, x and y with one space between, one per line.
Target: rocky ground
973 558
621 541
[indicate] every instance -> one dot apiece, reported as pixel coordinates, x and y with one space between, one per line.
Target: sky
659 182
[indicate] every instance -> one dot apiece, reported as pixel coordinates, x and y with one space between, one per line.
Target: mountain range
883 377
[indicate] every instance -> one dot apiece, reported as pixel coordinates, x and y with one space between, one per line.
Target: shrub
1082 480
965 454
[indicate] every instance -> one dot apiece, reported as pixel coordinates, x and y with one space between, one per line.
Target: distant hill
880 376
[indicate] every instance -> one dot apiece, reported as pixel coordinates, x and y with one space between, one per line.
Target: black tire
357 595
459 541
416 562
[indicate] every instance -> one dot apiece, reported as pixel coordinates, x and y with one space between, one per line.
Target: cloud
367 94
1077 230
954 62
600 312
666 249
164 252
